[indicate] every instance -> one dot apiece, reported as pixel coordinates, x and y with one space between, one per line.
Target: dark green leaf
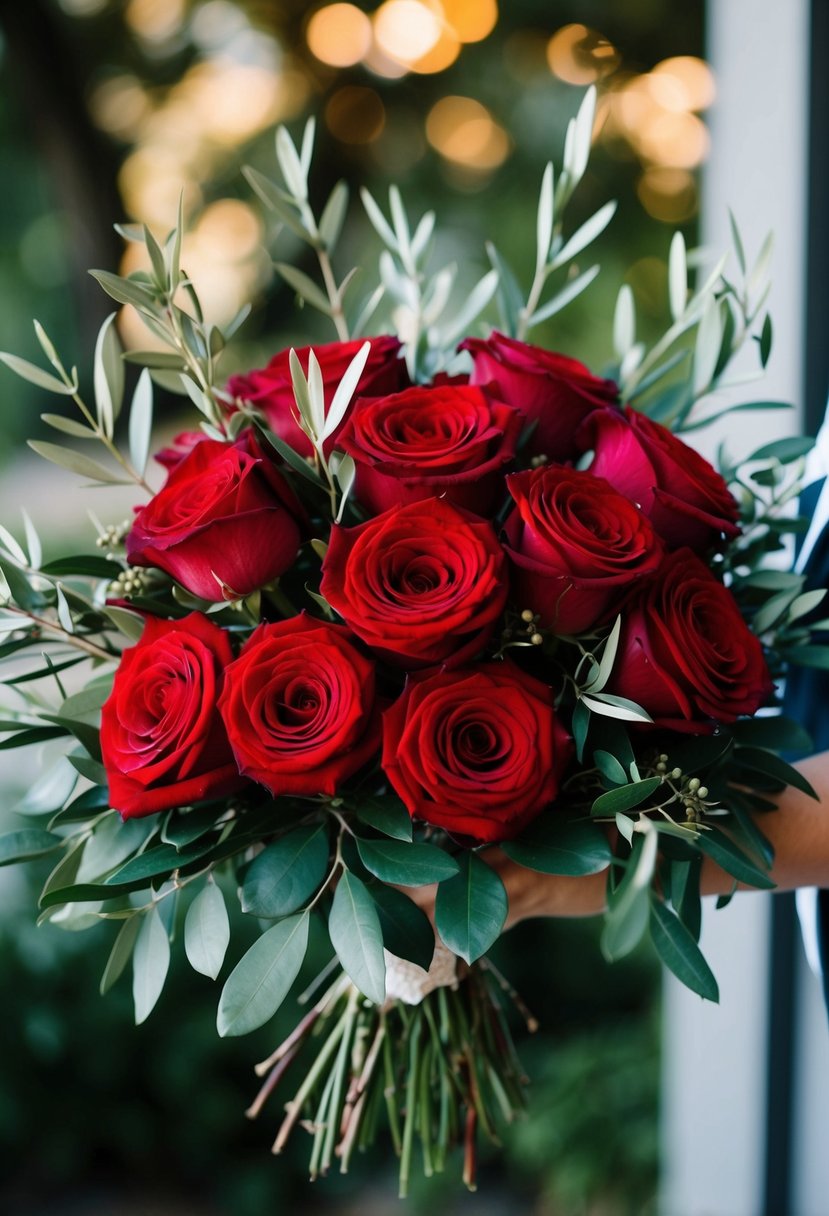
162 859
27 843
261 980
679 952
34 734
354 928
183 827
287 873
551 845
765 340
626 797
685 894
471 908
121 953
733 860
405 864
785 450
610 767
773 766
387 815
297 462
581 722
406 929
808 656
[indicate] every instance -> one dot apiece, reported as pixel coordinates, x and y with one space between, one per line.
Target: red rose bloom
553 391
685 653
447 440
181 446
576 545
162 740
270 389
684 496
420 584
224 524
478 752
299 707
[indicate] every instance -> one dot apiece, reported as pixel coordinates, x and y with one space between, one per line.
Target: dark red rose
270 388
577 546
552 390
420 584
685 654
684 496
162 740
224 524
299 707
448 440
478 751
181 446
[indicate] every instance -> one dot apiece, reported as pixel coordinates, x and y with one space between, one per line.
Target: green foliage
471 908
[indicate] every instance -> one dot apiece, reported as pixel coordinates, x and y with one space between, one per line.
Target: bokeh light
155 20
581 56
669 195
355 114
407 30
463 131
339 35
471 20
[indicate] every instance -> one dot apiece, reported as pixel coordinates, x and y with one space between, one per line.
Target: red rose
685 653
224 524
162 740
420 584
576 545
270 389
553 391
478 752
447 440
181 446
685 498
299 707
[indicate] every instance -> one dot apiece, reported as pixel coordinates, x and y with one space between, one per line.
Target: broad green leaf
611 768
124 291
611 706
287 873
84 564
141 422
809 656
775 731
679 952
76 462
773 766
404 864
471 908
387 815
150 963
207 931
161 859
49 791
551 845
183 827
121 953
354 928
261 980
406 929
785 450
626 797
733 860
113 840
27 843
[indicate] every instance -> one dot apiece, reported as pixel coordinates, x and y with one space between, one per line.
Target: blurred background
109 109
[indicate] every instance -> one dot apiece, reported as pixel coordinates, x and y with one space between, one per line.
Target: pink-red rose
685 498
479 751
224 523
685 653
420 584
299 707
577 546
553 391
448 440
162 740
270 389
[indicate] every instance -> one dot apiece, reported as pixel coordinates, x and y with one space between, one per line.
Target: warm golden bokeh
669 195
442 55
464 132
408 29
339 35
155 20
471 20
580 56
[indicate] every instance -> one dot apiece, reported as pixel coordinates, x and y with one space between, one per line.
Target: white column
715 1056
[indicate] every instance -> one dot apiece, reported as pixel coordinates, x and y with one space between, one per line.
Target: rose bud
685 653
685 498
299 707
479 751
224 524
163 742
420 584
576 546
448 440
553 391
270 389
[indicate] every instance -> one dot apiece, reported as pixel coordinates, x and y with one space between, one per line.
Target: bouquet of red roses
397 600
